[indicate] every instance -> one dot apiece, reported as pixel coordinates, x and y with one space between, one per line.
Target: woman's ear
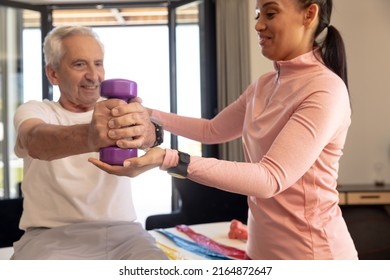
311 15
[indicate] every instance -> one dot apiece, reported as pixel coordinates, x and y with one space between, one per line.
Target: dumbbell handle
125 90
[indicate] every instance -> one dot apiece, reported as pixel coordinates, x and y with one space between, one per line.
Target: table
6 253
364 194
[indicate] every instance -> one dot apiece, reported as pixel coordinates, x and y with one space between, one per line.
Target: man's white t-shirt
68 190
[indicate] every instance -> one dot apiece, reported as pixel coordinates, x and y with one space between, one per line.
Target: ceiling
57 2
99 15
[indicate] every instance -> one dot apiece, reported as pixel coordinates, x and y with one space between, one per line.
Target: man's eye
79 64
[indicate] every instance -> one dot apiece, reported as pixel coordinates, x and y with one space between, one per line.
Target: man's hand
98 136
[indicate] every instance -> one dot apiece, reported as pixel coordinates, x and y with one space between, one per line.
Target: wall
365 27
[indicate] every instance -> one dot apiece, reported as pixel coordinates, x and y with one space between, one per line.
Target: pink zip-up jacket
293 123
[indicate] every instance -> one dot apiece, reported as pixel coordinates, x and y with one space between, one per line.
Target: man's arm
48 142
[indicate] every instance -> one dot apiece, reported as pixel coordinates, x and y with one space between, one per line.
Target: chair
201 204
10 213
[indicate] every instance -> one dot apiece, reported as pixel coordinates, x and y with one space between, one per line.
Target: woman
293 123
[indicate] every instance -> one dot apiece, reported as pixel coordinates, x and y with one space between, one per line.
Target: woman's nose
260 25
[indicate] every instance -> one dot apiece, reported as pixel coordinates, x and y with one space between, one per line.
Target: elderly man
73 210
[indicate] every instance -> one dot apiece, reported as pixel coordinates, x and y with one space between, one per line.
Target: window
137 48
139 53
12 84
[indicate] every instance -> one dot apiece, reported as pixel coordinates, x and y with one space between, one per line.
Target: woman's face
283 29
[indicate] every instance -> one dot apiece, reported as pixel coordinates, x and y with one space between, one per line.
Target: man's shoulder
39 103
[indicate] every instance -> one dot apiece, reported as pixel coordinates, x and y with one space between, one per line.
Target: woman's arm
299 144
225 126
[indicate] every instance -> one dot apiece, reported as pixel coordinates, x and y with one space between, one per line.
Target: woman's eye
270 15
257 14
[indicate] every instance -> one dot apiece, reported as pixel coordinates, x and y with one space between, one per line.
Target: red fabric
211 244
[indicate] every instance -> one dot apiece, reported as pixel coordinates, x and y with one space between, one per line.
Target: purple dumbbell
125 90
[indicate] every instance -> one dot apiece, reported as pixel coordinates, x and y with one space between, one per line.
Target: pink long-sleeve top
294 124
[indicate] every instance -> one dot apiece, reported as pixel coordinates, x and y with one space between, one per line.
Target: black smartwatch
181 170
159 130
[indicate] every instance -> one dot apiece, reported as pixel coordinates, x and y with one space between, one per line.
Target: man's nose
92 74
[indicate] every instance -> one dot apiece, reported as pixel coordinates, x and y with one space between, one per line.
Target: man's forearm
49 142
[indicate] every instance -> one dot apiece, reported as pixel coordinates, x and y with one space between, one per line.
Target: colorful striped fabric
211 244
193 247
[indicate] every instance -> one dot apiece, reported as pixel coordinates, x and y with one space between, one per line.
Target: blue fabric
193 247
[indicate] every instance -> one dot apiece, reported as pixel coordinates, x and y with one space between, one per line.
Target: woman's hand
133 167
131 127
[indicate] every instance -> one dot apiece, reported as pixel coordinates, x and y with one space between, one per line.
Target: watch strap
181 170
159 130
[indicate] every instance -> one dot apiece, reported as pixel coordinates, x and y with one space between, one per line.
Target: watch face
185 158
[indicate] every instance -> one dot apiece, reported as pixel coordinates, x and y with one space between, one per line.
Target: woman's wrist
171 159
176 163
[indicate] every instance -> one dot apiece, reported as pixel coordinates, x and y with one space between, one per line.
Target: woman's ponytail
332 47
333 53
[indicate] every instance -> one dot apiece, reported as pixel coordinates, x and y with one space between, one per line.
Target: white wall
365 27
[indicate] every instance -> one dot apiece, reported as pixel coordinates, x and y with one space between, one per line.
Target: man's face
80 73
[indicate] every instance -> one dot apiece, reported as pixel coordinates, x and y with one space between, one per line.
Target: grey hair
53 47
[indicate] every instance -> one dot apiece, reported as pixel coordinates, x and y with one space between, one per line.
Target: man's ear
311 15
51 75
